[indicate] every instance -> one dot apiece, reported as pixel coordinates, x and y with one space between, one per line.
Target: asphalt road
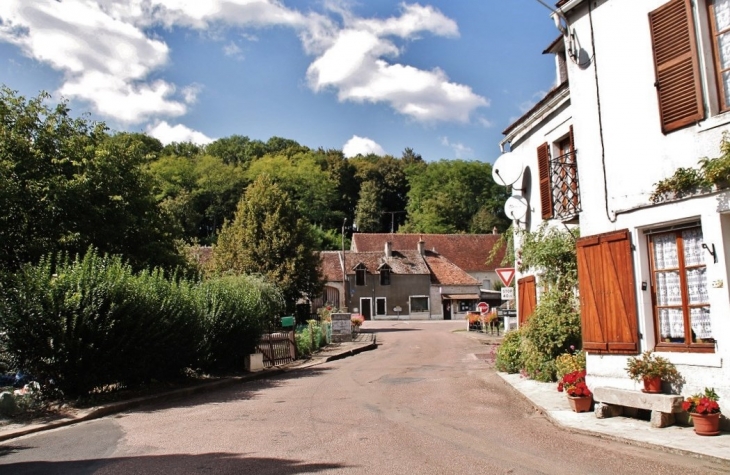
425 402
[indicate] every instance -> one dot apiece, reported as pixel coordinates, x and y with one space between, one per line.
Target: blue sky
443 77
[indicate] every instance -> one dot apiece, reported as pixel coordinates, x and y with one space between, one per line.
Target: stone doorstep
615 402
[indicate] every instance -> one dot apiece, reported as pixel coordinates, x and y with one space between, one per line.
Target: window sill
687 358
714 122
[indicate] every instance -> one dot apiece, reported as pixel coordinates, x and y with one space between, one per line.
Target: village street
425 402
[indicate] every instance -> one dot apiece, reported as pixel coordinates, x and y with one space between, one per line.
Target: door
526 298
446 305
366 308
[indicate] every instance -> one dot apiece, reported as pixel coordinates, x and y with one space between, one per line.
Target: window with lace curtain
679 291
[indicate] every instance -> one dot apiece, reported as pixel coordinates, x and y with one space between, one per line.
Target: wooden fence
278 348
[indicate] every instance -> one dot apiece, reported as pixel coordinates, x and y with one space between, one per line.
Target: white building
649 94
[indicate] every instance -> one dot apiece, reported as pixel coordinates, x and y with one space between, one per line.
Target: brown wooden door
607 293
526 298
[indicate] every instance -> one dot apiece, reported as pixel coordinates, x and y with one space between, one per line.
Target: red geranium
702 403
574 384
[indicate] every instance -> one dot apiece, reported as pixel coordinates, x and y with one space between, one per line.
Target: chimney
388 249
495 230
421 247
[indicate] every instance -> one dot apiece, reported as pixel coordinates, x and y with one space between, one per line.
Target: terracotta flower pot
580 404
653 384
706 424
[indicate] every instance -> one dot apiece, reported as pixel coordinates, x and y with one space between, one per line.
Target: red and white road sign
506 274
483 308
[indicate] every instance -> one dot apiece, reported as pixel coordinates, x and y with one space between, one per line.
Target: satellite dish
516 207
507 169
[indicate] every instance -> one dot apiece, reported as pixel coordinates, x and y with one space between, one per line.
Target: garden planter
580 404
706 424
653 385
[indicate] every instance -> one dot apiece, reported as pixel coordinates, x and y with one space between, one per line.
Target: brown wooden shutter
546 189
676 65
526 298
607 293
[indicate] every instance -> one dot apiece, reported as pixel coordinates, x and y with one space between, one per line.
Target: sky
442 77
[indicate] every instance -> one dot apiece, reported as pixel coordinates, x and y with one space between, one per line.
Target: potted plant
574 385
704 411
356 320
652 370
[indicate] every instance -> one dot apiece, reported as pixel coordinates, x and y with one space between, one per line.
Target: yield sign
506 274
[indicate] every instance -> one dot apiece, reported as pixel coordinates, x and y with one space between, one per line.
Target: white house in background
542 160
649 93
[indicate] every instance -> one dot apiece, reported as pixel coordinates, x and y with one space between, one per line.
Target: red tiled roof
468 251
331 268
445 272
400 262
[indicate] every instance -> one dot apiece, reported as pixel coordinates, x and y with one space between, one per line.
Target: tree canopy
268 236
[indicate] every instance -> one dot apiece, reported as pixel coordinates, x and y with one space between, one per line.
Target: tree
368 214
454 196
66 184
269 237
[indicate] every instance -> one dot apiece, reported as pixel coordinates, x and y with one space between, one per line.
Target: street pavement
542 396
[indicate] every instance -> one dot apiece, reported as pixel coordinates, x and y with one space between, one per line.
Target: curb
116 407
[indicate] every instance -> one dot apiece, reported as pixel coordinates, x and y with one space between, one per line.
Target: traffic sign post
506 274
508 293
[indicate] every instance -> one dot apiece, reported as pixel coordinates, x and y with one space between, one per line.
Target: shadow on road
390 330
218 463
236 392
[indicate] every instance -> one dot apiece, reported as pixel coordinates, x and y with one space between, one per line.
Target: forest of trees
67 183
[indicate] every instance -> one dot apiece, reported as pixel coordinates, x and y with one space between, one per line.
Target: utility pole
392 218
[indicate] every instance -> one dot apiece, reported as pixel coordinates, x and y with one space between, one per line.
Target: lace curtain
669 288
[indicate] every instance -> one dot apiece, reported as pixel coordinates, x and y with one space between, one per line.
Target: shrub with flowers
357 319
570 361
702 403
574 384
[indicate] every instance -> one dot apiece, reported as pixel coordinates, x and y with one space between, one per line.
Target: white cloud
486 123
530 103
167 133
232 49
362 146
460 150
110 58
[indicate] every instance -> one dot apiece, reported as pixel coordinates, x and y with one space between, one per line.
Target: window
385 275
380 306
467 305
559 190
719 19
679 290
419 304
360 272
676 65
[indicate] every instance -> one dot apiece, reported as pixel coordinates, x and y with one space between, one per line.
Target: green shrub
92 322
303 340
509 353
552 329
235 311
570 362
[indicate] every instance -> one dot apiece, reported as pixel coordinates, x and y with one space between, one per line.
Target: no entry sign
483 308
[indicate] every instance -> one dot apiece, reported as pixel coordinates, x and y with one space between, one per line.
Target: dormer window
360 272
385 275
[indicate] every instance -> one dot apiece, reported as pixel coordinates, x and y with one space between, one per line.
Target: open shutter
526 298
607 293
546 189
676 65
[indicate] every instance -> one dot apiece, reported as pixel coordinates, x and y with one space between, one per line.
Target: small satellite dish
507 169
516 207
